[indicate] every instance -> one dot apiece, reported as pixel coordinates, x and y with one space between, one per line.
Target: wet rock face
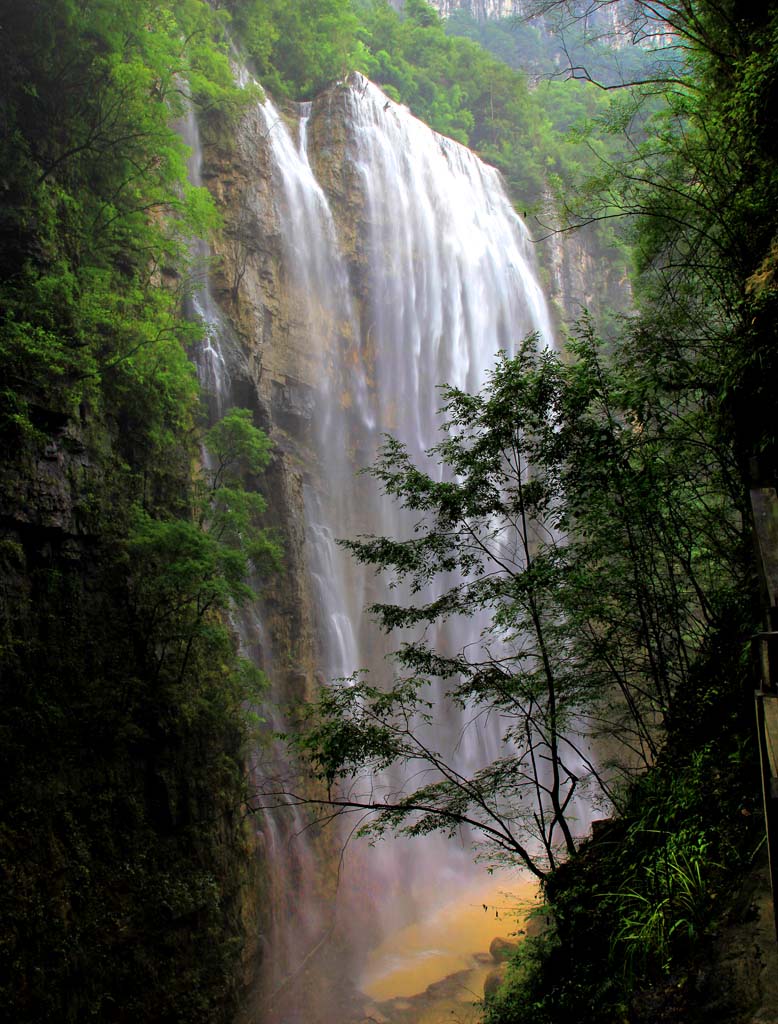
494 980
329 140
481 9
282 364
49 490
275 367
249 278
614 19
292 405
581 277
272 369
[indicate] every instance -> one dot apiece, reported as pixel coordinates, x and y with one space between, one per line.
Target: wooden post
767 732
764 505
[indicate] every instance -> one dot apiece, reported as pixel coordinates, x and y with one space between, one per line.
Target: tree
92 166
581 549
188 573
656 540
298 48
486 549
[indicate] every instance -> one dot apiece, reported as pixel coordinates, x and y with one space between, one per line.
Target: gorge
233 668
374 260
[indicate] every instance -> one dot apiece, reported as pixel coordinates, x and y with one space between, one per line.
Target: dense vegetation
656 439
122 850
637 909
122 723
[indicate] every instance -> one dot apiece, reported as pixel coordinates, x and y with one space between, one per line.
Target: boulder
493 981
500 949
537 924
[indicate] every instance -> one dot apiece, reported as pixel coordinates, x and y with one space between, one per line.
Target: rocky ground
745 969
736 981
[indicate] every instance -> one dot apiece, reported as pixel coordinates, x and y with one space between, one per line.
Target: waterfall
316 274
200 305
295 921
417 276
451 277
449 282
445 280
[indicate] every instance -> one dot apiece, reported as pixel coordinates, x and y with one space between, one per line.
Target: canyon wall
620 22
364 261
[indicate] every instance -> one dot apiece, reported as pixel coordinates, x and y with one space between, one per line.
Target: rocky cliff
364 260
621 22
582 275
124 851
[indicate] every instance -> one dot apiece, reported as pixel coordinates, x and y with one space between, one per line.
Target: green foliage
636 908
127 700
122 717
589 535
91 163
235 447
350 728
521 999
654 510
639 903
186 572
677 911
486 514
297 48
482 516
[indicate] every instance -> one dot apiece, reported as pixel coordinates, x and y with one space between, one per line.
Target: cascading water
316 273
449 283
434 279
295 923
200 304
451 279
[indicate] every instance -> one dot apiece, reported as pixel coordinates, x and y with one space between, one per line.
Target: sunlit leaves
97 176
236 446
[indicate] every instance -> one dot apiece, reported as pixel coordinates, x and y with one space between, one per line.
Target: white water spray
450 283
438 280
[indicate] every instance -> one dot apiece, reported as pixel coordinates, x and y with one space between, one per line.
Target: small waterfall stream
296 921
200 304
440 279
317 275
